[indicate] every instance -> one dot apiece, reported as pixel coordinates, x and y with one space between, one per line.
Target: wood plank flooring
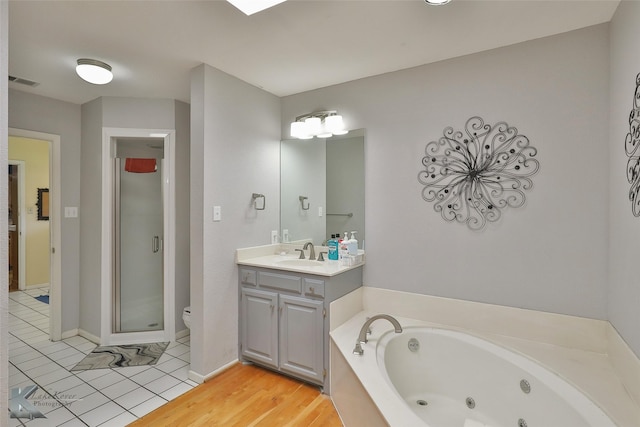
246 395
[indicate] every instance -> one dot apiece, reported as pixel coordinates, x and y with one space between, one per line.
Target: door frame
55 228
22 228
107 336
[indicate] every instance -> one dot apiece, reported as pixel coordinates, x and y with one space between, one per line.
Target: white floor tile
176 391
148 406
106 380
120 421
118 389
88 403
80 392
51 377
147 376
64 384
53 418
41 362
134 398
102 414
181 373
162 384
171 365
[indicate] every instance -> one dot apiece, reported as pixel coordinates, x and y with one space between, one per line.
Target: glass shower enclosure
138 286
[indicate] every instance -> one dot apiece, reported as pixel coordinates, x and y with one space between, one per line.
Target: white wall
47 115
549 255
126 113
235 134
624 275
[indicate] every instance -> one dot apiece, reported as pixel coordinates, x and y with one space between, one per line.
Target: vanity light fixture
94 71
436 2
322 124
249 7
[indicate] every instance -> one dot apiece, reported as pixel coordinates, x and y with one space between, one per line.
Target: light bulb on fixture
94 71
322 124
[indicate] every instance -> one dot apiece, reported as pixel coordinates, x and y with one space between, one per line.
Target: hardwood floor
247 395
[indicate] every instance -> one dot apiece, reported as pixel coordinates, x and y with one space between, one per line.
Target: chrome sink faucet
312 252
362 337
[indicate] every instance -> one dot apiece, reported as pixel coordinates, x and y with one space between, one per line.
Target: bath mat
43 298
120 356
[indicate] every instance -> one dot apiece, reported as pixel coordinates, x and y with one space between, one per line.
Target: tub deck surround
590 372
278 257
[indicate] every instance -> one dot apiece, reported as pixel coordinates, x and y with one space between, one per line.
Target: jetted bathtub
452 379
437 377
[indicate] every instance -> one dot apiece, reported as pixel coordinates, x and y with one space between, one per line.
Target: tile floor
99 397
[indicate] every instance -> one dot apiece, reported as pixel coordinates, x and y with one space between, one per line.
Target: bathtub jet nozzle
362 337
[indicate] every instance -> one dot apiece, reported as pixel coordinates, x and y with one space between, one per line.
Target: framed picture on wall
43 204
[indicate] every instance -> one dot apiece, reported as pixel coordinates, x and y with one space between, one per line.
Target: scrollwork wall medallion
631 144
473 175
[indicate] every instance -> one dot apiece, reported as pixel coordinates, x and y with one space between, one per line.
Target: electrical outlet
274 237
285 236
217 213
320 211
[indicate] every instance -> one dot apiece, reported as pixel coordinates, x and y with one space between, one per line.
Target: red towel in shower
140 165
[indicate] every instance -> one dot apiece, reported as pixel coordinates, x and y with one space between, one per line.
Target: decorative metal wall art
631 144
472 175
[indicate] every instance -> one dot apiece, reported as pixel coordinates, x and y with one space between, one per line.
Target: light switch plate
70 212
285 236
319 210
274 237
217 213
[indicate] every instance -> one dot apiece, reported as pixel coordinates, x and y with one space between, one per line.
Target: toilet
186 316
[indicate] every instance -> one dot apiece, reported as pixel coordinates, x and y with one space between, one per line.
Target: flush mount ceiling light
322 124
94 71
249 7
436 2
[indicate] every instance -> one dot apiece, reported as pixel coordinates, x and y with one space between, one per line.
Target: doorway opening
34 166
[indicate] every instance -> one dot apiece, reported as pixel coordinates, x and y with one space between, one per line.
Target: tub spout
362 337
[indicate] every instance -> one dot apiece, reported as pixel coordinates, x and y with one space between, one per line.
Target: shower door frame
108 337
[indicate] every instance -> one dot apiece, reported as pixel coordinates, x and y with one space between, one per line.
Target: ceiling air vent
23 81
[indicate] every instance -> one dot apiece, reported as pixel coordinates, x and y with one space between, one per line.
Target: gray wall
234 153
47 115
127 113
549 255
624 283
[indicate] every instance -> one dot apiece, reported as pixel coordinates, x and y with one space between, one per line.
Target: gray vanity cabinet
284 319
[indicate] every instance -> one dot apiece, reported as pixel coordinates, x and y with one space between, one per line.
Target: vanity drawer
313 287
280 281
248 277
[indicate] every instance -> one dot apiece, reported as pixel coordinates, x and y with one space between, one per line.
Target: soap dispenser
352 245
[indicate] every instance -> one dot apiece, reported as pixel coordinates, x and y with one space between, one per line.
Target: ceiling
296 46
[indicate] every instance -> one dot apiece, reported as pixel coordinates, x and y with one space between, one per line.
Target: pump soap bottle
352 245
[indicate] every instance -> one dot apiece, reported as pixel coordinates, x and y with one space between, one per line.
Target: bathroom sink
300 263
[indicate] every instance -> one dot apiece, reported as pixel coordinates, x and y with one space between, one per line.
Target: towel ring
302 200
255 197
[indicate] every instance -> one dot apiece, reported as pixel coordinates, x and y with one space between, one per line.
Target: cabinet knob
312 289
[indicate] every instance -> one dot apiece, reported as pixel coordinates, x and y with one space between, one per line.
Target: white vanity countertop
272 256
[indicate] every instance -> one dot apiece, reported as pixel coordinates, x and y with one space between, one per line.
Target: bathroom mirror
322 188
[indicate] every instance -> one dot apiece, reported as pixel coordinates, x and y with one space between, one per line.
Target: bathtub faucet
362 337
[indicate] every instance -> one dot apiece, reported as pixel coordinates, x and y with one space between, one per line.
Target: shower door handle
155 244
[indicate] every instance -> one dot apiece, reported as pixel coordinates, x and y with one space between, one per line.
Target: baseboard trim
194 376
94 339
70 333
183 333
625 363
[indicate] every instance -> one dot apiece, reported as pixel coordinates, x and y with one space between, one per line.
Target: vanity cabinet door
302 338
260 326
